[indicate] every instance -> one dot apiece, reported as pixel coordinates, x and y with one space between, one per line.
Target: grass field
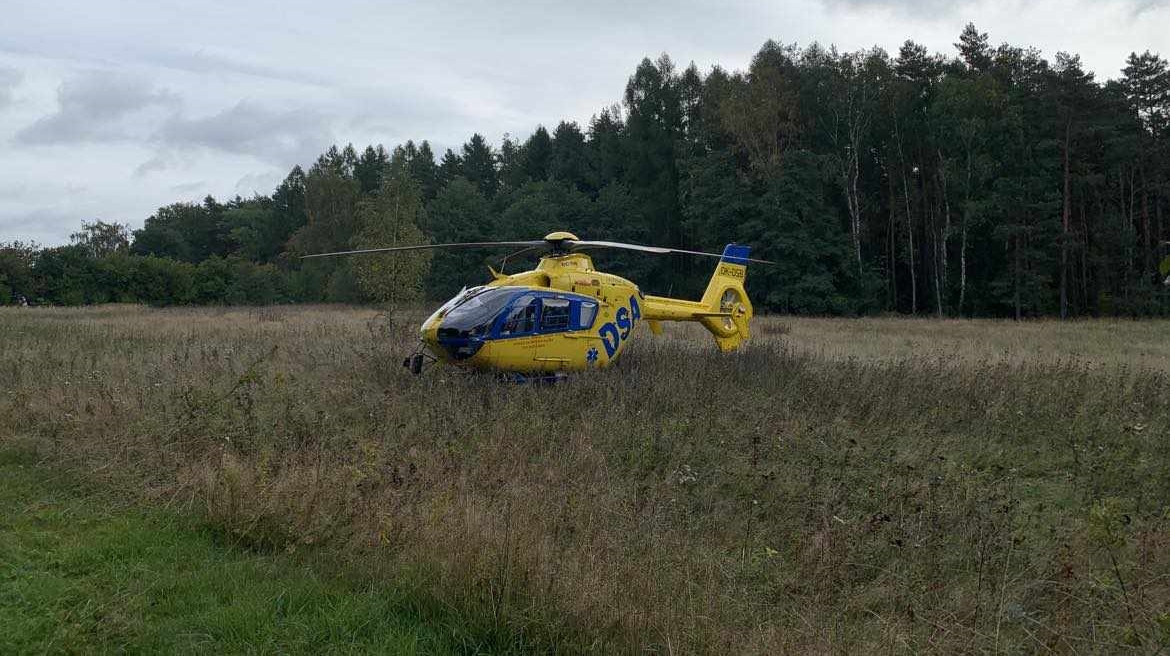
883 485
87 573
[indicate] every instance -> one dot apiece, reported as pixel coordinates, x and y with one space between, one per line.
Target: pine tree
459 213
512 174
1073 93
975 49
653 130
369 168
569 162
424 171
606 148
288 205
479 165
450 167
537 154
1146 81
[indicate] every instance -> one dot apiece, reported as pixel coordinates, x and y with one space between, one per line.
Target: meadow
873 485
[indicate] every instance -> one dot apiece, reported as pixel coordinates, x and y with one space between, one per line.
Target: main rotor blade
419 247
651 249
581 244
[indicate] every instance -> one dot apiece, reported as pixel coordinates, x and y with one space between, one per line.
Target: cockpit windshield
471 313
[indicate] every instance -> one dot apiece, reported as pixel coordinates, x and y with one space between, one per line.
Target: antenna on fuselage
504 262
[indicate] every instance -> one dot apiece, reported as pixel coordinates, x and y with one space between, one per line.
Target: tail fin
727 300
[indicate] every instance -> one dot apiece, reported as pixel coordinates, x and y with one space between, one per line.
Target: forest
986 182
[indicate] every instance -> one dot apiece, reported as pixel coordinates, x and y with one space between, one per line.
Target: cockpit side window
521 319
586 313
554 315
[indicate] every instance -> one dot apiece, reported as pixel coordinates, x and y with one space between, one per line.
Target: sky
109 110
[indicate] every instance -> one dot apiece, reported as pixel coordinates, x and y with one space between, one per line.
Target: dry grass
869 485
1143 344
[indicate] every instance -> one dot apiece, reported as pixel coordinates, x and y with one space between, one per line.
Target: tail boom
724 310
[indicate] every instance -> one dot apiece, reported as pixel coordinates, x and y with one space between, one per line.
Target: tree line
992 182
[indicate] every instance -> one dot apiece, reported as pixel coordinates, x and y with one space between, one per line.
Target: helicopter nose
429 333
450 344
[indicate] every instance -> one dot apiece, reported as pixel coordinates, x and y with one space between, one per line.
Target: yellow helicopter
565 315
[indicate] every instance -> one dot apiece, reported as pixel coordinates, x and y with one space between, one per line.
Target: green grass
82 572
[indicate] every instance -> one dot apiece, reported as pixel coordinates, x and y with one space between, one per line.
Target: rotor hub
560 236
556 241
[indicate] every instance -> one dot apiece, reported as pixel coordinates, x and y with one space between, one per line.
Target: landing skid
419 359
537 379
416 360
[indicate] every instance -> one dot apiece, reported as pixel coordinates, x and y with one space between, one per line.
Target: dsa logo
613 333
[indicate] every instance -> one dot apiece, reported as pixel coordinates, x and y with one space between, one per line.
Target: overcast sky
110 109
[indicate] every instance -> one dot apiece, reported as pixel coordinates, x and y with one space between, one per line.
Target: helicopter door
531 328
521 319
556 316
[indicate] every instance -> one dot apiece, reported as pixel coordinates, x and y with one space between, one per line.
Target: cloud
188 187
93 107
238 62
9 78
929 9
152 165
1142 6
259 183
41 224
281 136
13 192
920 8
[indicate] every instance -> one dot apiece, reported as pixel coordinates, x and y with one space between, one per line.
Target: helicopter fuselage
565 315
562 316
